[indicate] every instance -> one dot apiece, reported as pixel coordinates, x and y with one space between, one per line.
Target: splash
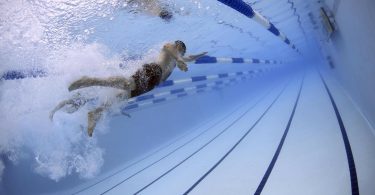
59 36
53 35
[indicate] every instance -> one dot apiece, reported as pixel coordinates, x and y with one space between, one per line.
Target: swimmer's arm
172 52
194 57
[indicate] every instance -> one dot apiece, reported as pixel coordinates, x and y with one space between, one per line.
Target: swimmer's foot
81 83
126 114
93 117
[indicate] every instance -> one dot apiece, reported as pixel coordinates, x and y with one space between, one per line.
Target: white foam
62 147
32 35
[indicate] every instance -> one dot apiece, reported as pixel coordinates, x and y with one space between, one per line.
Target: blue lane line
205 60
199 89
238 60
166 83
240 6
224 130
38 72
214 60
22 74
235 145
198 78
186 143
144 97
159 100
223 75
160 149
248 11
192 80
348 149
277 153
178 95
174 91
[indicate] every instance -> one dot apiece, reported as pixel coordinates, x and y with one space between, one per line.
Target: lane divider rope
180 93
39 72
248 11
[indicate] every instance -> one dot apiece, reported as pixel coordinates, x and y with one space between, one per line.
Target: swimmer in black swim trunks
152 7
144 79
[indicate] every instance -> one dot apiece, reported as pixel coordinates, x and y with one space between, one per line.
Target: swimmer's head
165 15
180 46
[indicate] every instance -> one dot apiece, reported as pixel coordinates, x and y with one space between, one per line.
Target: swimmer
143 80
153 7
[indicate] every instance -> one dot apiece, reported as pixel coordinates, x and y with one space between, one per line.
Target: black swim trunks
146 78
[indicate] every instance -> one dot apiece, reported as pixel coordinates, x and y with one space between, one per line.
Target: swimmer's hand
201 54
182 65
194 57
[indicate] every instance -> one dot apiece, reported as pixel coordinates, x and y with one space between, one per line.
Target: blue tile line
281 143
213 60
348 149
234 146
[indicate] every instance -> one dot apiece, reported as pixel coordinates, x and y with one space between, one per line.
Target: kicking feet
93 118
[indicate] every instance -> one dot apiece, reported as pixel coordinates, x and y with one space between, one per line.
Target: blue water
71 39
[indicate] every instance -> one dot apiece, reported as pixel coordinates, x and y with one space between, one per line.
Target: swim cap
165 14
181 44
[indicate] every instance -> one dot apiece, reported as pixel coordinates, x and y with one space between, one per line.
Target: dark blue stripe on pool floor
224 130
158 150
348 149
189 141
236 144
170 153
277 153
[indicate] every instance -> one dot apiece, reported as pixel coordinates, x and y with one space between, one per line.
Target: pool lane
293 140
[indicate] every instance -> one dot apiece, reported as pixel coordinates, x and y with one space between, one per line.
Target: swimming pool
264 112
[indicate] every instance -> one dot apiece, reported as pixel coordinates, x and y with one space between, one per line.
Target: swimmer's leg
115 82
58 107
93 117
123 96
76 103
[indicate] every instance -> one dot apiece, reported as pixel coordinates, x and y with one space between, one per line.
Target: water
71 39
